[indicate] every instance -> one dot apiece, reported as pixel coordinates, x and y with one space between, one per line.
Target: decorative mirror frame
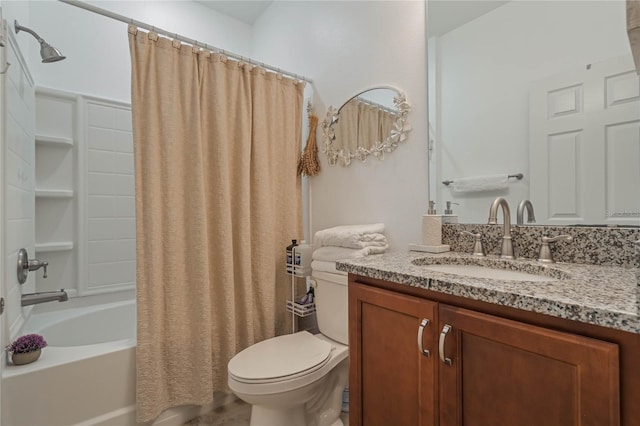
398 133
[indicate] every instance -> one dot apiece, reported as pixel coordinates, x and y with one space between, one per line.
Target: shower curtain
217 199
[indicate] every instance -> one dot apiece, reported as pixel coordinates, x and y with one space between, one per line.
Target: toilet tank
332 310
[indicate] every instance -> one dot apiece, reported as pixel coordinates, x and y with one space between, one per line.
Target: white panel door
584 146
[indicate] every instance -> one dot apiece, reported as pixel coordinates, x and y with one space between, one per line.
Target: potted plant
26 349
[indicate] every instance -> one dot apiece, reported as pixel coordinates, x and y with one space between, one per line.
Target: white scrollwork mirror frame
380 147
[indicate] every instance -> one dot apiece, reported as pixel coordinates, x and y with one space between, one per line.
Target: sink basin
486 272
497 269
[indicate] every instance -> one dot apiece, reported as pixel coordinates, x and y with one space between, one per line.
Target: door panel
584 146
391 381
509 373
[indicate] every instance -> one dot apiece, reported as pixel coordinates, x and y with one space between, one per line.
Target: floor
236 413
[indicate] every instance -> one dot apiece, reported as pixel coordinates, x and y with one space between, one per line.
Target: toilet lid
280 357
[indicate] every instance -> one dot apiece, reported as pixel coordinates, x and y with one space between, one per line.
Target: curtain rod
175 36
377 105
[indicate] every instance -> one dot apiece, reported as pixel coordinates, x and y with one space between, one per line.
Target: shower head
47 52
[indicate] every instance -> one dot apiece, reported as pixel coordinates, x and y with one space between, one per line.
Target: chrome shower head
48 53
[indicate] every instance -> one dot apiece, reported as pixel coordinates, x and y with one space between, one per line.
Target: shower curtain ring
6 68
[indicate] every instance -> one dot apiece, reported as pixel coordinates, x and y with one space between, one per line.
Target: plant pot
25 357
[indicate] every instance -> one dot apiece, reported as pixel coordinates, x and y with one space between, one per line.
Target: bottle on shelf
302 259
290 260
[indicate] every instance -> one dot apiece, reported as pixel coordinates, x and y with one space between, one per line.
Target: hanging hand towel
481 183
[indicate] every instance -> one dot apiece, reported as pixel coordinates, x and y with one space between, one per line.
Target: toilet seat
280 358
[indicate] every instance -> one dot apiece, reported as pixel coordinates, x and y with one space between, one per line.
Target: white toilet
298 379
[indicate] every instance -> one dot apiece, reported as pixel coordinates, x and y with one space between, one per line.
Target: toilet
298 379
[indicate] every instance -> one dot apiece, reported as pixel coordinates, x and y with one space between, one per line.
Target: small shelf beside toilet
298 265
300 310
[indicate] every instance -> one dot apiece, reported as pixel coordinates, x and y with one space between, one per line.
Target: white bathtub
86 376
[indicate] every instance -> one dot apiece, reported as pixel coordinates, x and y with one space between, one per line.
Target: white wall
111 250
19 10
97 48
485 69
19 181
346 47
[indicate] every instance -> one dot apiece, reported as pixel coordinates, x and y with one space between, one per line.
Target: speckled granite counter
602 295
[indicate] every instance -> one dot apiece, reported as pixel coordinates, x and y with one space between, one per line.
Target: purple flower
27 343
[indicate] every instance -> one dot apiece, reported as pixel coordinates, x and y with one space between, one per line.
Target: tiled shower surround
590 245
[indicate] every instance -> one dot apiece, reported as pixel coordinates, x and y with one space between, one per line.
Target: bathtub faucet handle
35 264
25 265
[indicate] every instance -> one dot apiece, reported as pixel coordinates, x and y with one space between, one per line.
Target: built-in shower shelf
54 193
299 309
57 246
54 140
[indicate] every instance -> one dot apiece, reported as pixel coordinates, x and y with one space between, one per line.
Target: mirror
489 61
373 122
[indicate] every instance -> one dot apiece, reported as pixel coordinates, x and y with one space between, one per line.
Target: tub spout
45 296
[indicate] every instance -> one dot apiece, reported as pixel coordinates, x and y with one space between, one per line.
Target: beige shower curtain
217 200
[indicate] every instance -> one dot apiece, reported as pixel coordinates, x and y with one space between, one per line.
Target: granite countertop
601 295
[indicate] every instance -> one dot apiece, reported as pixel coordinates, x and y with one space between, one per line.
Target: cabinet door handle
425 322
443 335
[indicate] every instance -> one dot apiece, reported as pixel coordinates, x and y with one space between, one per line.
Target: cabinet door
392 382
504 372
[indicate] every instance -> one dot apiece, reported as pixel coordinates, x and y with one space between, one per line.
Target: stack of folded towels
347 242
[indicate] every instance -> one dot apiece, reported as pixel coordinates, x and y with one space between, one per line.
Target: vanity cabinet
503 372
390 378
480 369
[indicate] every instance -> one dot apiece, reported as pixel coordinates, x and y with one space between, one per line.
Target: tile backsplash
590 245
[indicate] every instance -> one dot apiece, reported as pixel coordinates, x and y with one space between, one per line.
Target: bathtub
86 376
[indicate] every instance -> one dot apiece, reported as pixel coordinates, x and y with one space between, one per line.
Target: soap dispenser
432 208
431 232
449 217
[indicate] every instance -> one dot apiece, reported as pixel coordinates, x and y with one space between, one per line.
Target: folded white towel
322 266
352 236
332 254
481 183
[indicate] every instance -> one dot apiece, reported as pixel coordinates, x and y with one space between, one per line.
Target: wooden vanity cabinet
393 375
505 372
491 370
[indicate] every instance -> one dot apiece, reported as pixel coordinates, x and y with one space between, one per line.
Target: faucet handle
478 249
35 264
545 254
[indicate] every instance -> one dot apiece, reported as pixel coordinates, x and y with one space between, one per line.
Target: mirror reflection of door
585 153
481 70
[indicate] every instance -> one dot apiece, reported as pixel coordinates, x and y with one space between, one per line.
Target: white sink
476 271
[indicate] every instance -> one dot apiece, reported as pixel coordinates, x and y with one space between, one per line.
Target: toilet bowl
297 379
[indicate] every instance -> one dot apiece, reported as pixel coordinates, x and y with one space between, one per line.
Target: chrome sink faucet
506 252
531 218
45 296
